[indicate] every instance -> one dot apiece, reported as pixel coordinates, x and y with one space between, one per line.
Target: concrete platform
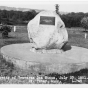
66 62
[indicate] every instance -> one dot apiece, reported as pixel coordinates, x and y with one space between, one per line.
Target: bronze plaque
46 20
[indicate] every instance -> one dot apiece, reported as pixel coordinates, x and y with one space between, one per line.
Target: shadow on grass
84 31
72 78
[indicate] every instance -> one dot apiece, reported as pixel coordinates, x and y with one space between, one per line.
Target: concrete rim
69 61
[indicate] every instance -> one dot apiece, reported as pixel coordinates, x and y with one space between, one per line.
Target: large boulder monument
47 31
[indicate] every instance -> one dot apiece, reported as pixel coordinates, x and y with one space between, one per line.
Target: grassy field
76 38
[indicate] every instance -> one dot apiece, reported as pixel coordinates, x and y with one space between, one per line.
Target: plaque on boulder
44 20
47 31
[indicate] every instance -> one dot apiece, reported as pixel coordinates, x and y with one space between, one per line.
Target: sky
64 5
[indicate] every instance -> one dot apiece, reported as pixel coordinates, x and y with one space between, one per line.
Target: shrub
5 30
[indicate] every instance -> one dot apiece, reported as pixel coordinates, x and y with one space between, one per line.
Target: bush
5 30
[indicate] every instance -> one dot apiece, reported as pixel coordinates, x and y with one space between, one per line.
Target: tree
57 8
84 23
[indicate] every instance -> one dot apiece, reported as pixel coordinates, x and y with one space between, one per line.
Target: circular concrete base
65 62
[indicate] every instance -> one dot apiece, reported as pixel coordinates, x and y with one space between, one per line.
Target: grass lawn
76 38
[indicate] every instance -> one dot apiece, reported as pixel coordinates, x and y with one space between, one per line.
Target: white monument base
61 63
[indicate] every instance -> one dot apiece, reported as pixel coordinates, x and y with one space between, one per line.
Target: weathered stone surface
47 31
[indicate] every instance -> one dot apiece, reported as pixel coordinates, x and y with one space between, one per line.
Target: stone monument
47 31
49 35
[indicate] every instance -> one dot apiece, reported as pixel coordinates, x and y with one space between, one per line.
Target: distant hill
17 9
22 9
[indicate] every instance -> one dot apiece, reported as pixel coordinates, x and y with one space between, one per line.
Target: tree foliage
72 19
18 17
84 23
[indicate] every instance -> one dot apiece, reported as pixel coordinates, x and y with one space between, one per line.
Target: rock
47 31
